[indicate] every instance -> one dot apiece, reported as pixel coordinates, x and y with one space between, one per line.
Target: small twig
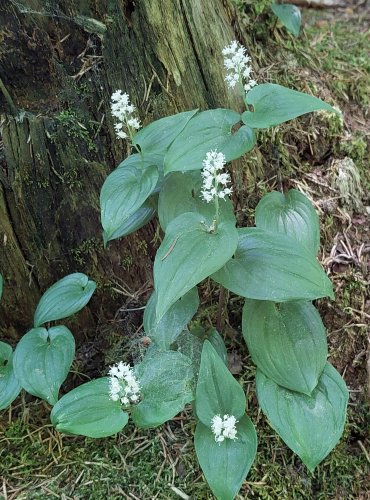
178 492
220 323
123 309
171 248
364 450
9 100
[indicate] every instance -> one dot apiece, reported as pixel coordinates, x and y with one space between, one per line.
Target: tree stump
59 62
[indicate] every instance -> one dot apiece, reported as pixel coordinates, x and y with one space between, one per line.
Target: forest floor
331 59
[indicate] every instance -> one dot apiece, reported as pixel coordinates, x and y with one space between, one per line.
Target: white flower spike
224 428
123 385
122 110
237 64
214 181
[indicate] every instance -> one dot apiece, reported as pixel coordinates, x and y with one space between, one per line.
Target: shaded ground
330 58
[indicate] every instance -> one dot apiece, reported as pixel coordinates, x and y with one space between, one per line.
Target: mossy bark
60 61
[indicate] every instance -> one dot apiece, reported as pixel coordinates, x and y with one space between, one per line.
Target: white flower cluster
224 428
237 63
123 385
213 178
122 110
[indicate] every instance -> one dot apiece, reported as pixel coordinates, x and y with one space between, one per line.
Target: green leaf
226 465
165 331
272 266
181 193
142 161
217 343
1 285
158 135
213 337
123 193
9 385
137 220
293 215
287 342
274 104
190 343
289 15
166 387
217 393
310 425
207 131
189 254
42 360
66 297
89 411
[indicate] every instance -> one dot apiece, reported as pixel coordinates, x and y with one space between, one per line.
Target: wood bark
59 62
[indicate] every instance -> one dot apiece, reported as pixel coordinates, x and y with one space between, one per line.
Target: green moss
73 127
342 51
258 6
353 291
131 462
86 249
126 262
355 147
72 179
142 247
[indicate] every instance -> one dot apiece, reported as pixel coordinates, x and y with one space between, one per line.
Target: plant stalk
216 220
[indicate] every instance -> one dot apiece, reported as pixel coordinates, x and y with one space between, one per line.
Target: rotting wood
166 54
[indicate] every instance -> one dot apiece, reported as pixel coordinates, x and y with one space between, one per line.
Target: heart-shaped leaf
181 193
123 193
165 331
158 135
42 360
189 254
66 297
273 266
9 385
287 342
143 161
274 104
207 131
226 465
89 411
310 425
137 220
217 393
293 215
165 380
289 15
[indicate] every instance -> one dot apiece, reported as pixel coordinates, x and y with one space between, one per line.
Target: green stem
242 90
217 214
242 87
131 135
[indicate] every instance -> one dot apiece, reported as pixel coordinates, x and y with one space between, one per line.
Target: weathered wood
61 66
